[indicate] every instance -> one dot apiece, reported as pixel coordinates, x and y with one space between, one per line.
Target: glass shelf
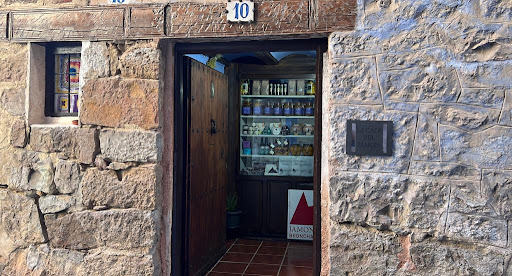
275 156
275 117
280 96
277 136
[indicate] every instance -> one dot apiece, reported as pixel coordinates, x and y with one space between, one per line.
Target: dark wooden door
206 195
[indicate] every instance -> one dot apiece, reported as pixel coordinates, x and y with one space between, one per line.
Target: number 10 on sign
240 11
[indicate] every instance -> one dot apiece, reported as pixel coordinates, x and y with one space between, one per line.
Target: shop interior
250 127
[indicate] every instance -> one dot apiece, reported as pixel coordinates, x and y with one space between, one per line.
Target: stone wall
84 200
441 70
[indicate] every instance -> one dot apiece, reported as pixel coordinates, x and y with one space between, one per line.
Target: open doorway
245 120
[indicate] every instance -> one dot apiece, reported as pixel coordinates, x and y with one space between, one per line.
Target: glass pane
74 83
61 64
74 103
61 84
74 64
61 103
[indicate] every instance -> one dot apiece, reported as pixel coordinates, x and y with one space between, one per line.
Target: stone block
506 111
444 170
78 143
407 59
118 264
146 22
34 175
496 10
354 80
116 229
420 84
466 198
402 106
67 177
94 60
336 15
55 203
136 188
491 74
389 201
489 148
358 250
131 146
435 258
18 134
142 61
118 102
19 223
497 189
491 98
12 100
353 44
426 143
404 127
364 198
209 19
68 24
14 60
465 117
477 229
42 260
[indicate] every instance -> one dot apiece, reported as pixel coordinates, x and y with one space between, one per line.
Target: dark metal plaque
373 138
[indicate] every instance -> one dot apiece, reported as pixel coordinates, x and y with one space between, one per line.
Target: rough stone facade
442 72
84 200
87 200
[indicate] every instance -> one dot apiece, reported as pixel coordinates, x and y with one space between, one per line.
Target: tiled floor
268 258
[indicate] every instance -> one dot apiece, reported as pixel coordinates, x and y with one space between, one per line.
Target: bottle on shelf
244 89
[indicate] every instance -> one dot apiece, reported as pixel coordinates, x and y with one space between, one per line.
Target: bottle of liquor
285 89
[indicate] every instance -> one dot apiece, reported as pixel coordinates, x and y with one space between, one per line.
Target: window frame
51 50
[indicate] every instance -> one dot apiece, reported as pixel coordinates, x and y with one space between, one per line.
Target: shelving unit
256 164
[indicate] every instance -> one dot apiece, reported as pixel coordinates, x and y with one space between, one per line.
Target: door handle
214 127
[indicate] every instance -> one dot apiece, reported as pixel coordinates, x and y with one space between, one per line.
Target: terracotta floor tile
262 269
229 267
222 274
299 252
267 259
295 271
243 248
248 242
278 251
229 243
237 257
274 244
298 261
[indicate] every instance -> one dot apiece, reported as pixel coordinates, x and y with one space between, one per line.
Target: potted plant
232 212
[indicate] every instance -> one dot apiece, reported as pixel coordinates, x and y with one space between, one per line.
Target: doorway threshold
265 257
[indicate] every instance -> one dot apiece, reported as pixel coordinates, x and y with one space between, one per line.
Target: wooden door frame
180 214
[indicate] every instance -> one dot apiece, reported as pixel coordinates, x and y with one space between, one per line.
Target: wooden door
206 189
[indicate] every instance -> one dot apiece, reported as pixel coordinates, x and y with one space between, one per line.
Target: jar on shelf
292 84
264 87
287 109
298 109
308 129
310 88
278 110
309 109
267 109
296 129
307 150
247 107
257 107
296 150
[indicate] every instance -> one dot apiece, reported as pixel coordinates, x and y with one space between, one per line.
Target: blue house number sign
240 11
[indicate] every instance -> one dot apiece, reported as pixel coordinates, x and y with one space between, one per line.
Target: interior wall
440 70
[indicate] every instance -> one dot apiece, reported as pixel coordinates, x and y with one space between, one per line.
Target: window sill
57 122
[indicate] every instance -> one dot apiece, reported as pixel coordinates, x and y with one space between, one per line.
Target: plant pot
233 219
